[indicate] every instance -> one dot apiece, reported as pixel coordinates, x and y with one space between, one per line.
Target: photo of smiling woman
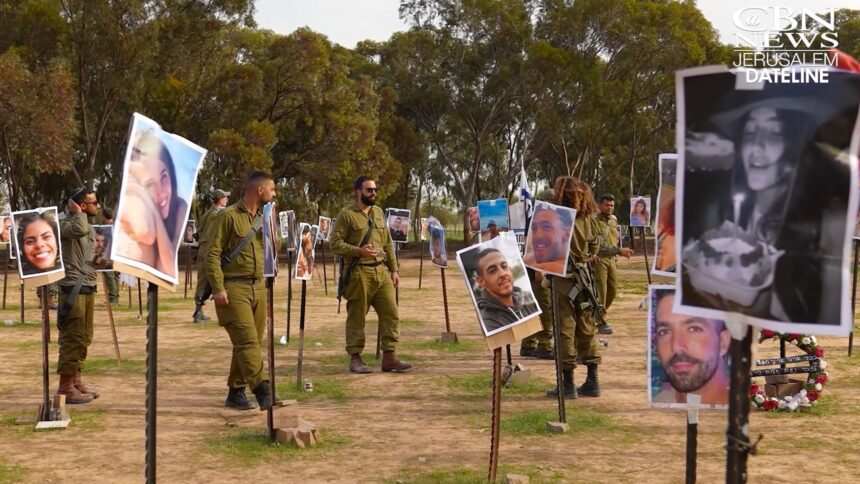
159 175
37 235
765 193
498 283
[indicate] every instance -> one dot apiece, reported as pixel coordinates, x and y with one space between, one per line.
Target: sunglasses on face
371 190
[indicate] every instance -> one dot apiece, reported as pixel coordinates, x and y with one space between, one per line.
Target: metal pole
22 303
738 445
110 318
129 296
46 322
508 353
301 336
853 298
289 292
151 377
139 301
325 272
187 258
692 444
645 251
445 301
556 334
397 288
421 266
5 277
497 400
270 327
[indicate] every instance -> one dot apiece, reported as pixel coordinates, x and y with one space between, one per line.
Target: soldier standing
239 290
578 342
373 276
605 270
77 299
219 201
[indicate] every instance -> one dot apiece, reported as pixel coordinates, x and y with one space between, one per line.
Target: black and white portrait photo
765 191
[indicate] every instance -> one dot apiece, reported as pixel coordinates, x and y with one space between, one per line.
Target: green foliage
324 389
250 447
11 473
110 367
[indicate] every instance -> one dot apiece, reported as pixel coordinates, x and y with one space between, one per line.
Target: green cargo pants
244 318
606 274
76 334
542 340
578 342
112 286
371 286
202 278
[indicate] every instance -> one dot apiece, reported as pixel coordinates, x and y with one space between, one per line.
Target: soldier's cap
219 194
491 222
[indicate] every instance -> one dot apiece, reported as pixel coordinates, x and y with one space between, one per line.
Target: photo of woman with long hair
640 212
37 235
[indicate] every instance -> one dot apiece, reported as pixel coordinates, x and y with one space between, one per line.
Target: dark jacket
495 315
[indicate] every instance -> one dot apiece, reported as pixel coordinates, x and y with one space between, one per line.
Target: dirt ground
429 425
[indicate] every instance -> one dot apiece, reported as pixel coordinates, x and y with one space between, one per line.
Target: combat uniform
605 269
540 343
370 283
578 343
244 317
204 229
75 323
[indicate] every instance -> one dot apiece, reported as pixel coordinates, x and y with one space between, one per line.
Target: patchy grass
11 473
324 388
250 447
17 324
462 346
466 475
582 422
106 366
88 420
480 384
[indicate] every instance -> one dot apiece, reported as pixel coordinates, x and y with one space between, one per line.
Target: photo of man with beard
497 280
687 354
548 239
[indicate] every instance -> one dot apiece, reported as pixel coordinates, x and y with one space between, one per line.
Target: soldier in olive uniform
239 291
77 299
219 201
604 269
373 278
578 341
539 345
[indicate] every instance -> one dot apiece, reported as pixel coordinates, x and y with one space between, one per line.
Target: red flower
753 389
766 333
822 378
794 336
770 405
819 352
812 396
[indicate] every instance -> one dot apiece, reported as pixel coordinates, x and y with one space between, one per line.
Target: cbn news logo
782 45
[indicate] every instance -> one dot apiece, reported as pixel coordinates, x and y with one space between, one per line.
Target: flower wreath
814 383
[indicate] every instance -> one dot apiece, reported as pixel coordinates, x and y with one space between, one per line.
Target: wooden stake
110 318
693 401
151 378
645 251
301 336
445 301
22 305
270 327
496 417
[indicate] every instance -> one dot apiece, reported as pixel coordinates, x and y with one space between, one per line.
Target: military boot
73 395
264 397
84 388
237 399
591 387
567 381
356 365
391 363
